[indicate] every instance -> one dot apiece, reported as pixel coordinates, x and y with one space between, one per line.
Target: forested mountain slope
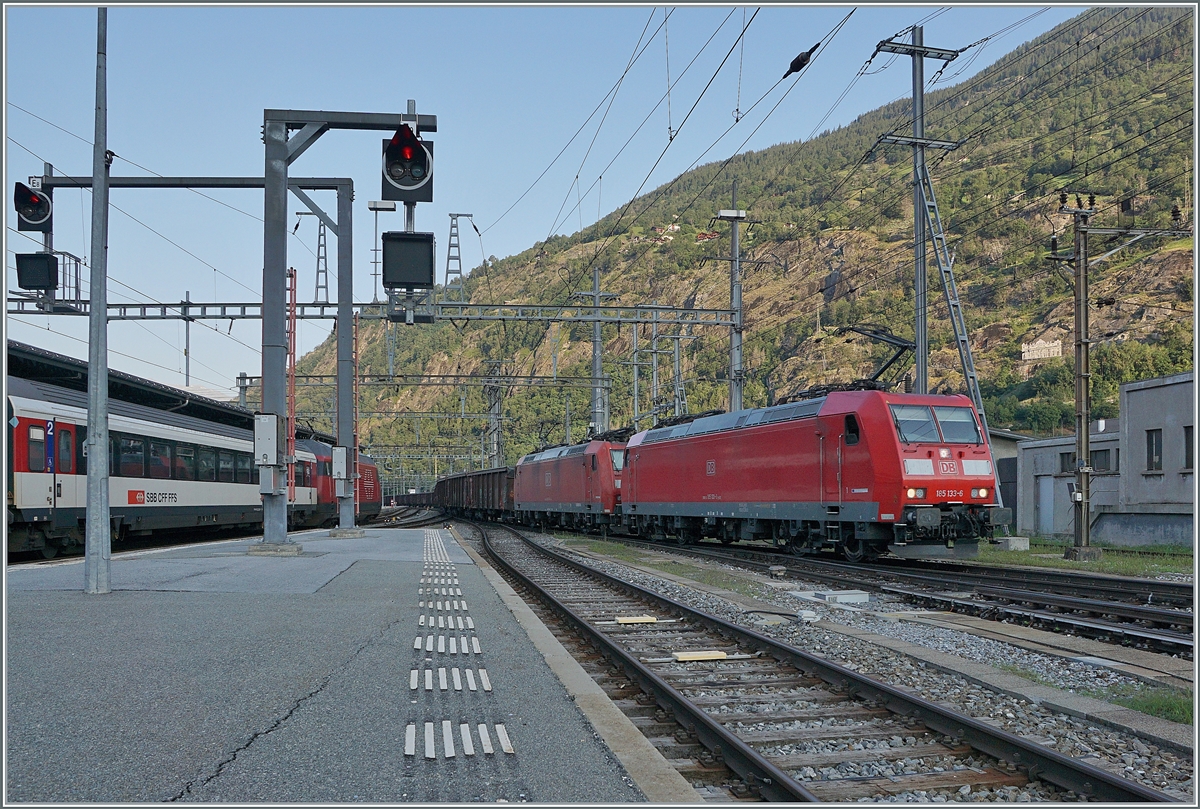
1102 104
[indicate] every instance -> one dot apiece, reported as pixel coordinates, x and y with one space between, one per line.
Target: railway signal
34 208
37 271
407 167
408 260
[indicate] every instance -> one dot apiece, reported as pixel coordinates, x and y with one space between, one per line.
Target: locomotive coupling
925 517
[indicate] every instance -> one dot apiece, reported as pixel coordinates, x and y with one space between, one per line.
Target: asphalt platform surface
209 675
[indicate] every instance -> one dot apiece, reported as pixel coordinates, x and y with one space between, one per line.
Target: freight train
861 472
167 471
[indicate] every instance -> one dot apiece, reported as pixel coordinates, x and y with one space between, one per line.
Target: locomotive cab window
958 425
618 459
37 449
593 463
914 424
851 430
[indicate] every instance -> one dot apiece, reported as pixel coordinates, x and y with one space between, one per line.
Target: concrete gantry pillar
274 323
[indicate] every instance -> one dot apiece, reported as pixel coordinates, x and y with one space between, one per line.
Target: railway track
1088 585
774 715
1142 612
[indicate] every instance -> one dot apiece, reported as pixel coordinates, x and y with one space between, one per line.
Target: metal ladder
322 265
453 288
958 322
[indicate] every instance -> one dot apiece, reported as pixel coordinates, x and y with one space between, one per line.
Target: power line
114 351
649 114
663 191
143 168
589 118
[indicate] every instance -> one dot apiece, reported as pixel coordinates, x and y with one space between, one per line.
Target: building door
1045 504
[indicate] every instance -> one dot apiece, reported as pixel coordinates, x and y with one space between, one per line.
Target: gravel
1112 750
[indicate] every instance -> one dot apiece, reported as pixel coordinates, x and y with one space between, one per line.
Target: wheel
856 550
49 551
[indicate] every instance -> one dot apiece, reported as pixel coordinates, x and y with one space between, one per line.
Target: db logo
710 468
949 468
137 497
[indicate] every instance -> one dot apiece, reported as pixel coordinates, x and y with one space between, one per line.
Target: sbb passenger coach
859 472
167 471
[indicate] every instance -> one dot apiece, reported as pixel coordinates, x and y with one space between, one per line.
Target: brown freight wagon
483 495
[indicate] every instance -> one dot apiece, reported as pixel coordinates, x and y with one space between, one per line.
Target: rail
1038 761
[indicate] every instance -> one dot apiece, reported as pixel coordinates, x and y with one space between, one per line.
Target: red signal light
407 166
33 208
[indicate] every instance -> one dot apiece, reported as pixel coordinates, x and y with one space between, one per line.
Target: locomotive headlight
981 493
917 494
911 493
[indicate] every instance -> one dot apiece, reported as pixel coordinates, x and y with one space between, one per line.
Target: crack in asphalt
278 723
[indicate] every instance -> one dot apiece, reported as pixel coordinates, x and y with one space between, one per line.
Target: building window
1100 460
1187 447
1154 450
1066 462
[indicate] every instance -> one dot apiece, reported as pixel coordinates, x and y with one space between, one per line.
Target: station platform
388 668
